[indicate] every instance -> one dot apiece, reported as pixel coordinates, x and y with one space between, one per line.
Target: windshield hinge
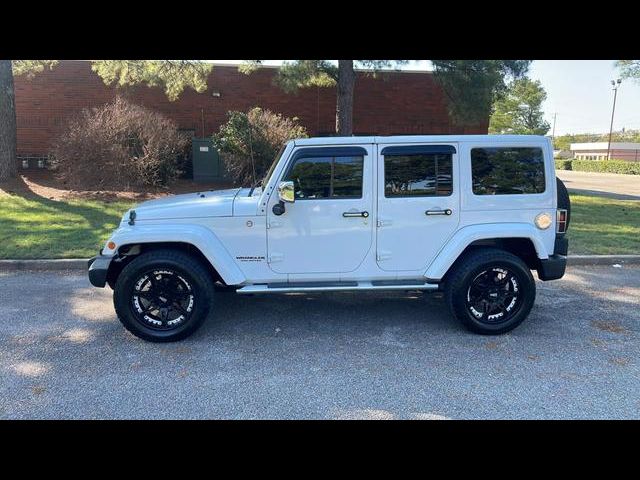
383 255
276 257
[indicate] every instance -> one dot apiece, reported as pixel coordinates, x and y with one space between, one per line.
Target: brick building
391 103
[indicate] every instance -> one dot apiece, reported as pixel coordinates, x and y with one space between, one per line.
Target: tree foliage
8 129
563 142
119 145
629 68
174 76
32 67
325 73
256 135
472 86
298 74
519 111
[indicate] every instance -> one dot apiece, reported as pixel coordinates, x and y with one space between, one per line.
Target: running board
336 286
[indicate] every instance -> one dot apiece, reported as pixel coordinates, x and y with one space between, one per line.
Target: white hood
214 203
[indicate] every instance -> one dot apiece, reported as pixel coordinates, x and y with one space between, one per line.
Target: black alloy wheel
163 295
491 291
163 299
494 296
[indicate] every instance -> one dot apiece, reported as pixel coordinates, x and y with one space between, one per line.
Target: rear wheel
163 295
490 291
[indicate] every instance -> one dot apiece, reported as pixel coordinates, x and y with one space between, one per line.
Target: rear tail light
561 221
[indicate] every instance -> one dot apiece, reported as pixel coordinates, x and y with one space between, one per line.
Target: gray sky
579 91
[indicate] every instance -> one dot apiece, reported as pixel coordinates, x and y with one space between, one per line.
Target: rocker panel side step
336 286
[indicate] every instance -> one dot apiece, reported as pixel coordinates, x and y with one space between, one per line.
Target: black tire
175 272
564 202
488 265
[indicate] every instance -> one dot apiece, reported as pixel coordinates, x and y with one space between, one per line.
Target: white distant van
468 215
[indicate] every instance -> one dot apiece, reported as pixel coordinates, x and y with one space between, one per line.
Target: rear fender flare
467 235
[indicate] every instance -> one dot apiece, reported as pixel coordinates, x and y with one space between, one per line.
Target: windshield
265 180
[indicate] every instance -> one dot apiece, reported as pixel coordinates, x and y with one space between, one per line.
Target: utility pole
616 85
553 132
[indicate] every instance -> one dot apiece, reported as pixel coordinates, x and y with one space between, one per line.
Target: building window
507 171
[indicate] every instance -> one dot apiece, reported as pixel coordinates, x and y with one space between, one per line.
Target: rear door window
418 175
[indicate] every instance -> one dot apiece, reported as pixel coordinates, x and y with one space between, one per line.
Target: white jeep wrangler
468 215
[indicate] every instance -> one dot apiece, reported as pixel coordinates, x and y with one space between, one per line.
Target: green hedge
602 166
563 164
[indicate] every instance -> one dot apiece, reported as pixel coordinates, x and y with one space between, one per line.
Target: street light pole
616 85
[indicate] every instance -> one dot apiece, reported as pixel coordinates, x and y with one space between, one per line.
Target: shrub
602 166
563 164
258 133
118 145
606 166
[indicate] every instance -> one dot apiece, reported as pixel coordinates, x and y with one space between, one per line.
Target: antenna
253 163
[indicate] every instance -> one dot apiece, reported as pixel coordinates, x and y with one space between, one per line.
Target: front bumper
98 267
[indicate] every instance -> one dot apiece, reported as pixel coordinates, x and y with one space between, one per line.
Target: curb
603 259
81 263
44 264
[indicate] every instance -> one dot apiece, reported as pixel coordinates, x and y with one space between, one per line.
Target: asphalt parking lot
612 185
63 354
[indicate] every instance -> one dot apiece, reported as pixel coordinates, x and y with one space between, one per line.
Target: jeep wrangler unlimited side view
468 215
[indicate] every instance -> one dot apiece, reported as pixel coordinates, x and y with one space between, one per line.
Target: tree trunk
8 167
344 106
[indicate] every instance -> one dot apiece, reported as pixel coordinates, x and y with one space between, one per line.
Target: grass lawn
35 227
603 226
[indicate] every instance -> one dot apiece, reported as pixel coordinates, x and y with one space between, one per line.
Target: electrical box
207 165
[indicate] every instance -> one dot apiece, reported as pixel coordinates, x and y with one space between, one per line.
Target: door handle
446 211
355 214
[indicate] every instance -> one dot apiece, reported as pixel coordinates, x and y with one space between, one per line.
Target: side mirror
286 192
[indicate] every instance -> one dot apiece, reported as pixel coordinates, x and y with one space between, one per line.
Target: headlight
543 221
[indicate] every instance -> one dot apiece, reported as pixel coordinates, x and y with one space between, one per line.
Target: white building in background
598 151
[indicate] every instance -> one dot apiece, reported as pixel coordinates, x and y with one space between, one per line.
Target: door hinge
274 224
276 257
383 255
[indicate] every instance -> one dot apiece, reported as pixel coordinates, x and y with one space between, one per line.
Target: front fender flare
467 235
200 237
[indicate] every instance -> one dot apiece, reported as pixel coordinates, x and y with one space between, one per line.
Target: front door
418 203
328 229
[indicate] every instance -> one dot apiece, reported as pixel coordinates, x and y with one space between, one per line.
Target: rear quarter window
507 170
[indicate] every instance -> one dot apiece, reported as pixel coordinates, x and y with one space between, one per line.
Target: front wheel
163 295
490 291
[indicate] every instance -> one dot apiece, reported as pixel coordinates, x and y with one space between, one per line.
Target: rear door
418 203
